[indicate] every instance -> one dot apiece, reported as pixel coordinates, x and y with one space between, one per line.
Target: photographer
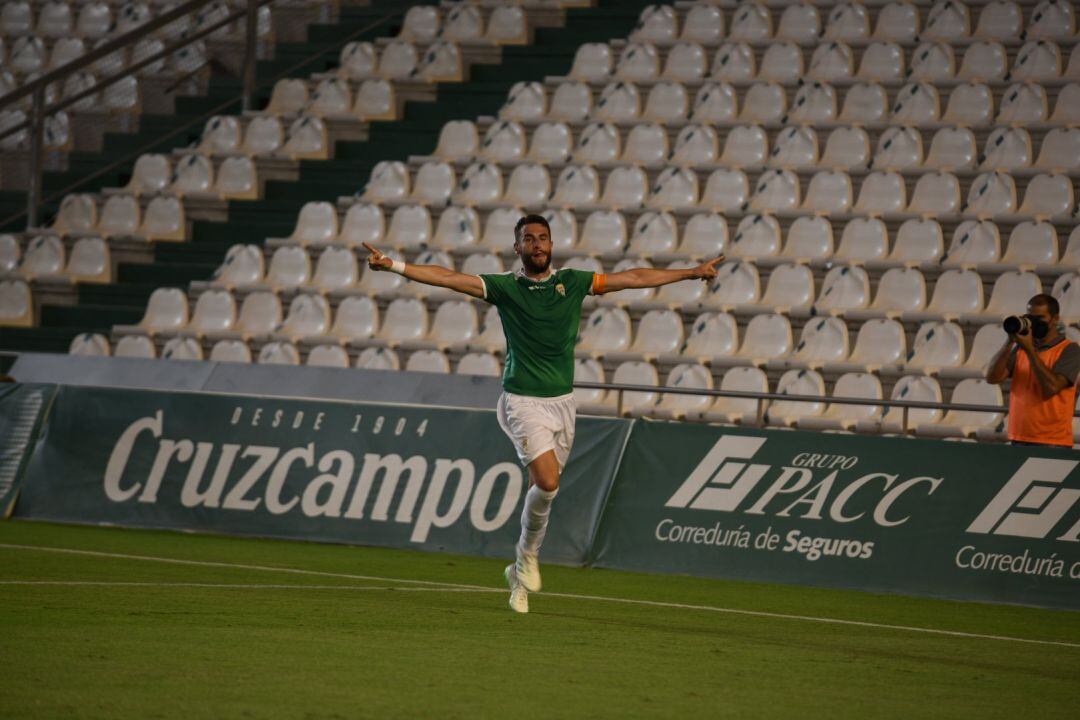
1043 367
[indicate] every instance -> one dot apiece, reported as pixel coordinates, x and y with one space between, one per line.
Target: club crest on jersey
561 289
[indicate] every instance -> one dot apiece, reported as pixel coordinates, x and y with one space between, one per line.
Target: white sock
534 519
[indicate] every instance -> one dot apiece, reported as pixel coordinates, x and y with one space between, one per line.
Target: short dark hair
531 219
1047 301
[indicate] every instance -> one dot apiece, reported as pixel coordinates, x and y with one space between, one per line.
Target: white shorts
536 425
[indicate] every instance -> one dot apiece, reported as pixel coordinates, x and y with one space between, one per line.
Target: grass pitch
162 625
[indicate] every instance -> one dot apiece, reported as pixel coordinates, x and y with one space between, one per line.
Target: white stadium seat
988 341
756 236
715 103
405 320
796 382
571 102
897 21
215 312
751 22
736 283
44 256
526 101
782 63
633 372
823 340
654 233
278 353
686 376
667 102
879 343
983 61
378 358
965 423
847 21
552 143
992 193
308 315
937 345
503 142
957 292
845 416
1000 20
182 348
864 238
713 335
9 253
952 149
328 356
260 314
809 238
725 190
290 267
686 62
703 23
639 61
316 224
1032 242
881 62
458 228
1052 19
766 337
479 364
1011 292
336 270
900 290
734 62
357 318
592 61
800 22
738 410
458 140
90 345
166 310
607 329
844 288
135 346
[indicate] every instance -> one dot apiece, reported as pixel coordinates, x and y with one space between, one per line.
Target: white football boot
528 570
519 596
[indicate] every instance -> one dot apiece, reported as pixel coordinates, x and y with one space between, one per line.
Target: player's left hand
376 260
707 270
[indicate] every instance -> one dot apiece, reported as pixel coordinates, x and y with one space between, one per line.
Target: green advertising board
956 520
21 411
926 517
403 476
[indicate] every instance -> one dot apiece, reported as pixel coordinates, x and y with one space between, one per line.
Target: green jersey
540 319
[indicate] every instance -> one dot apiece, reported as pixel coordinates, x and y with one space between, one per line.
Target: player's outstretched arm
650 277
429 274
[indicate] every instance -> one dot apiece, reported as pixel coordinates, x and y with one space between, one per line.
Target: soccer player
540 310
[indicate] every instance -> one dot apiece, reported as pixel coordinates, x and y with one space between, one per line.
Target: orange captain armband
599 283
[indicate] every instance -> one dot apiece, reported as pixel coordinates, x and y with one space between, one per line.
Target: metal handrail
761 397
129 38
37 88
131 69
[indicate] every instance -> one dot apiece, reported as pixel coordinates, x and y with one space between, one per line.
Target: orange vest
1033 418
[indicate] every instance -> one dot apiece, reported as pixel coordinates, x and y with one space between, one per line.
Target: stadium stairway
100 307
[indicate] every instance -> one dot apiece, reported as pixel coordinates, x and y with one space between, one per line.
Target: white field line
570 596
238 586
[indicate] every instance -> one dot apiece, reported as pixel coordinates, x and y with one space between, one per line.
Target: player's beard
533 267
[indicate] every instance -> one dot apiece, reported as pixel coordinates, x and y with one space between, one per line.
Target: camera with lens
1026 324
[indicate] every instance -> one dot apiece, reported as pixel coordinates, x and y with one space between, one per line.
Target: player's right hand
376 260
707 270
